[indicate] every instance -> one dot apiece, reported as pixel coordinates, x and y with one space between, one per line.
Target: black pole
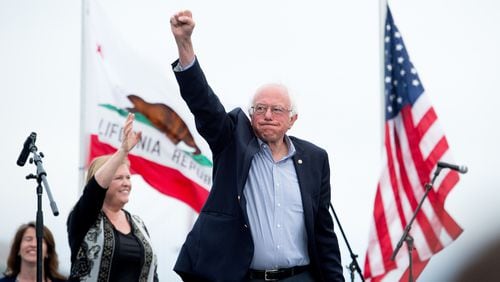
40 177
353 266
39 233
406 237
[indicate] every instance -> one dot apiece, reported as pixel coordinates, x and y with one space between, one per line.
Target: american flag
413 144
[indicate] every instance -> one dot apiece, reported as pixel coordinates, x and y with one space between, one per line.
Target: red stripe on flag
383 232
166 180
367 270
421 218
427 120
392 171
414 137
447 184
418 267
437 201
437 152
450 224
424 168
424 171
379 277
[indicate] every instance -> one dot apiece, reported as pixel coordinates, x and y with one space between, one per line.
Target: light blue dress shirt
275 212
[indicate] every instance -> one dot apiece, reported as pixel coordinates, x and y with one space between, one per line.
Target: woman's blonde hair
97 163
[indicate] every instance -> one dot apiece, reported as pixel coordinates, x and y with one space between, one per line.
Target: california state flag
171 159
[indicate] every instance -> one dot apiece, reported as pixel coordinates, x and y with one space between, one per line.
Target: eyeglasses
261 109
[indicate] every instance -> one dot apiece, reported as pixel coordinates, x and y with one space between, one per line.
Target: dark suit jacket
220 246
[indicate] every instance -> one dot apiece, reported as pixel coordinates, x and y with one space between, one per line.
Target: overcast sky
327 52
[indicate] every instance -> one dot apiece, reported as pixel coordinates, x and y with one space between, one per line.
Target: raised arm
212 121
86 210
104 175
182 25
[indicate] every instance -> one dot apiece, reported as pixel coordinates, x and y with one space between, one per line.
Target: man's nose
269 113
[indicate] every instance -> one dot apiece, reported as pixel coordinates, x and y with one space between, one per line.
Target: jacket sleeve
212 121
84 214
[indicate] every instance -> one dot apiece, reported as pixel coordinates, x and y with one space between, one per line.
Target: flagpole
84 140
382 13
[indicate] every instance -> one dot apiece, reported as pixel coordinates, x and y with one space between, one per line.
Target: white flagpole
382 13
84 140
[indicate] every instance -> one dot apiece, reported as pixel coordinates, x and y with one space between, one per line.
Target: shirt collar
289 143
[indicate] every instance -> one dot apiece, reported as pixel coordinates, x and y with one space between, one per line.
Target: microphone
30 141
459 168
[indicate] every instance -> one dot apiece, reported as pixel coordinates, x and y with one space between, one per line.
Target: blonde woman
107 242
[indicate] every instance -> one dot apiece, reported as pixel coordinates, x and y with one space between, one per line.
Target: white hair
293 106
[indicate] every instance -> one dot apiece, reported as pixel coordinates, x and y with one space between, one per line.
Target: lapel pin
299 161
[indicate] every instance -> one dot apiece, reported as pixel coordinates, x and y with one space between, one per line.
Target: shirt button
278 246
279 225
279 205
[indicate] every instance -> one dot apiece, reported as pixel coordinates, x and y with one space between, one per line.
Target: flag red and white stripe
413 144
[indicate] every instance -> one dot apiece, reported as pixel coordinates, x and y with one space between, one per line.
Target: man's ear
292 120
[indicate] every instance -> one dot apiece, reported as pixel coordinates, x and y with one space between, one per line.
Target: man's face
270 114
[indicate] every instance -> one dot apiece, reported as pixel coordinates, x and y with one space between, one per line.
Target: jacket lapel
244 169
303 164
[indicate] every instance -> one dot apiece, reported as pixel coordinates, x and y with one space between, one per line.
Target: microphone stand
406 237
40 178
353 266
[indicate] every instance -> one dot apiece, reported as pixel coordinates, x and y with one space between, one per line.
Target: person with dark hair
267 216
107 242
22 260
